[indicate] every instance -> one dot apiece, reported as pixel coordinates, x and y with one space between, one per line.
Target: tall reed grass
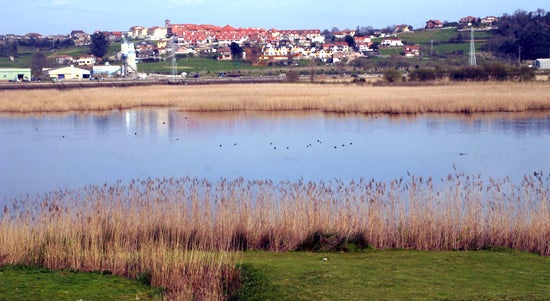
186 232
450 98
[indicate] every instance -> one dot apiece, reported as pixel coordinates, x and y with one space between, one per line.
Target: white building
392 42
69 73
107 70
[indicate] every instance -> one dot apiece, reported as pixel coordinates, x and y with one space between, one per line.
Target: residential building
402 28
489 20
392 42
412 51
469 19
63 59
85 60
224 54
431 24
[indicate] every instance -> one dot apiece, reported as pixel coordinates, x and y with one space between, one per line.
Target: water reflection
44 152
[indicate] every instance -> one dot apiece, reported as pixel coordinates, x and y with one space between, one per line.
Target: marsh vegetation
448 98
188 233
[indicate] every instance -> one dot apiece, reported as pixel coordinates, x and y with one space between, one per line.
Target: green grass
441 39
425 36
24 283
74 52
396 275
203 66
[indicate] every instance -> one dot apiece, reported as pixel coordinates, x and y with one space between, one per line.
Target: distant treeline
523 34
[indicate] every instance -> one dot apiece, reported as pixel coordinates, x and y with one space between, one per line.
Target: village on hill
257 46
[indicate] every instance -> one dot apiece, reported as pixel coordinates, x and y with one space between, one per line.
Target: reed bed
186 233
448 98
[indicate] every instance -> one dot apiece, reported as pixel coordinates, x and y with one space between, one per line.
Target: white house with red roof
392 42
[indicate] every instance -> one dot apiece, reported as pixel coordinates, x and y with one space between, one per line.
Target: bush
292 76
496 71
392 75
468 74
525 74
422 75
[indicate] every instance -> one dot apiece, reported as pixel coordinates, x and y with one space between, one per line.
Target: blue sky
62 16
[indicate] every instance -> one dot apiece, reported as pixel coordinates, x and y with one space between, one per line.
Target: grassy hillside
442 40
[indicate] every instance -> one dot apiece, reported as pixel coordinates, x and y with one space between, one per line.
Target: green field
441 40
366 275
396 275
23 283
200 65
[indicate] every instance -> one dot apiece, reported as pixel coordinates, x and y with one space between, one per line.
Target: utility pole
519 55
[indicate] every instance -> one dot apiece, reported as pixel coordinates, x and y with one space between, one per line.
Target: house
224 54
402 28
364 46
115 36
156 33
469 19
392 42
431 24
69 73
138 32
81 38
412 51
15 74
86 60
489 20
342 34
63 59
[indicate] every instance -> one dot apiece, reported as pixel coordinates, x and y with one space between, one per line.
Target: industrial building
15 74
69 73
542 63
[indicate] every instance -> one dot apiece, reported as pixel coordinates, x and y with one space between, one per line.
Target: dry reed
185 231
450 98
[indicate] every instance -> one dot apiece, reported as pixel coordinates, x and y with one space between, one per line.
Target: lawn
23 283
202 66
365 275
396 275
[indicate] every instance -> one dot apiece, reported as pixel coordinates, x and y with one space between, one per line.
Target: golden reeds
185 232
451 98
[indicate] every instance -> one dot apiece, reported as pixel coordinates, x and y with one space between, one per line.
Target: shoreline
338 98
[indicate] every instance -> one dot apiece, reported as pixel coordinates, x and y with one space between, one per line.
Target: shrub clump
392 75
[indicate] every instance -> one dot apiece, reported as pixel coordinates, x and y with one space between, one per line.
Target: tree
39 61
100 44
236 51
8 49
528 31
350 40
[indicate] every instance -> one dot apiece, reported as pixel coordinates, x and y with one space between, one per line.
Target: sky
62 16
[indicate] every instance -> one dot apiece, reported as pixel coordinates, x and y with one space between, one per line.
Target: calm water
40 153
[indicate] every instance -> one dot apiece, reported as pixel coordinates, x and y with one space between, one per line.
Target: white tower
473 61
174 47
128 52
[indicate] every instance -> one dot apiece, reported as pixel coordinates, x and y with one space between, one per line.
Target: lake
45 152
